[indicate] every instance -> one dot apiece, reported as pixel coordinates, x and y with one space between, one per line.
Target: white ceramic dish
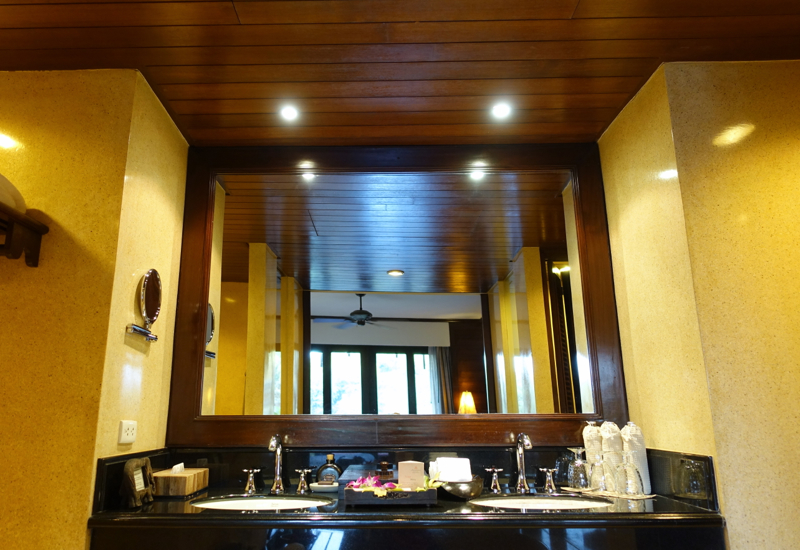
317 488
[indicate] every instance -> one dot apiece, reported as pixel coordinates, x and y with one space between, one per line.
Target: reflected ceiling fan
359 317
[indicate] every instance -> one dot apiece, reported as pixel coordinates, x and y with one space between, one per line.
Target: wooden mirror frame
187 427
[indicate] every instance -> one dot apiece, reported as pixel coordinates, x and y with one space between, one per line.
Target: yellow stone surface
741 202
136 378
702 190
211 366
232 357
662 355
578 308
70 164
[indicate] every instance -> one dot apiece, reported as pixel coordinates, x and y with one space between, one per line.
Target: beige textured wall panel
662 354
72 130
232 356
741 204
137 373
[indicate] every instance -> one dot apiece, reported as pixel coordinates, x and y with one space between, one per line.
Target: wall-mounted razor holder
143 332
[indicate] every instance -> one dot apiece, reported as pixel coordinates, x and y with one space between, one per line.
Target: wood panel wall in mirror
506 294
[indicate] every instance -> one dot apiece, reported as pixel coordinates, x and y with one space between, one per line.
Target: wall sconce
467 404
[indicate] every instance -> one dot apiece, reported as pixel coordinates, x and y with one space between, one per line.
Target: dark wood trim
559 389
306 298
488 354
597 279
186 427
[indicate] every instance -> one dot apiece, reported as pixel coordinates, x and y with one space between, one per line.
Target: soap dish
318 488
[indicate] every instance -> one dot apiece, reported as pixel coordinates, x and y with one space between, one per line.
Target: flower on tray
373 484
431 483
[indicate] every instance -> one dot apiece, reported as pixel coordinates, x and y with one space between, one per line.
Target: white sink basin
246 503
542 502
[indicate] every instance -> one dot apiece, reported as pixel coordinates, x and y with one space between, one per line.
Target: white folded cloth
592 441
612 443
633 440
451 469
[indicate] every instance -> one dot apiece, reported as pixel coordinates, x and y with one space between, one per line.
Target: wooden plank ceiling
448 232
392 72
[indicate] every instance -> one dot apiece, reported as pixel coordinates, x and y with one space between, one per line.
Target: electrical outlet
127 431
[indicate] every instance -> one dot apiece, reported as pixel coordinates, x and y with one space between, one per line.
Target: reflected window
369 380
345 383
392 380
316 384
423 384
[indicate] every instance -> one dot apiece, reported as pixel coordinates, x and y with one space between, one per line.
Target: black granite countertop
446 513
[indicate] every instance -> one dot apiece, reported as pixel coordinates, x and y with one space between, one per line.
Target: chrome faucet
549 484
523 442
250 489
276 447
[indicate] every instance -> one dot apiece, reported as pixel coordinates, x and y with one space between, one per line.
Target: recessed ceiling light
501 110
306 164
395 272
289 113
477 175
308 176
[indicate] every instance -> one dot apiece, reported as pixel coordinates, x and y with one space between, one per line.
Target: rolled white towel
633 440
612 443
592 440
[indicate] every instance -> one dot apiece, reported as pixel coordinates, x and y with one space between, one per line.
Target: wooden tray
353 497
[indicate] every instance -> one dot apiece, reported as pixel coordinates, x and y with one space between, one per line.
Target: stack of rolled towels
609 442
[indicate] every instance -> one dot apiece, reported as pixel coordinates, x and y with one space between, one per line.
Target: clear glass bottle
329 471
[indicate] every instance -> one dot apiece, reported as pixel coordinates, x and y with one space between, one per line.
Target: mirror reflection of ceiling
398 306
447 231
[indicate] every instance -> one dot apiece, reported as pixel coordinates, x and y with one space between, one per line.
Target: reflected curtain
441 382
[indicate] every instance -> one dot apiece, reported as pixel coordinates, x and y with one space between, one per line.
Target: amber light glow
467 404
733 134
6 142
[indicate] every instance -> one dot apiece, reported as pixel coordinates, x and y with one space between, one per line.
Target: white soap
410 474
454 469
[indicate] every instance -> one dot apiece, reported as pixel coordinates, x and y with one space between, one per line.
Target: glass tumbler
561 476
578 470
631 479
692 480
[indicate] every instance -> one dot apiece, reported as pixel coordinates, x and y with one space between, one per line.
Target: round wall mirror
209 324
150 297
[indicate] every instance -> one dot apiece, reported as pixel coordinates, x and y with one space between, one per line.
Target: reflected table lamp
467 404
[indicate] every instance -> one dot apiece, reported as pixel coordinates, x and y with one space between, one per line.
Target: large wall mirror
502 319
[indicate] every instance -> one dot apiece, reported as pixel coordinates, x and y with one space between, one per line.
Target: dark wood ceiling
393 72
345 231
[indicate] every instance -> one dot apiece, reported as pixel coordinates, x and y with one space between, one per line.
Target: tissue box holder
353 497
186 483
